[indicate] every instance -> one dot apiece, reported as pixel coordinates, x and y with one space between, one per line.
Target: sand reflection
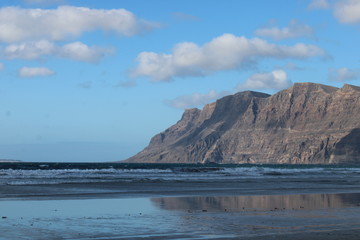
259 202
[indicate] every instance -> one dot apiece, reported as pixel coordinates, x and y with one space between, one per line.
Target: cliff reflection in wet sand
259 202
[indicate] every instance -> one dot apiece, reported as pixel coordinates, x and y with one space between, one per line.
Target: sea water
60 173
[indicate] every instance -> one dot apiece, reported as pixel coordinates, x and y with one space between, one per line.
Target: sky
95 80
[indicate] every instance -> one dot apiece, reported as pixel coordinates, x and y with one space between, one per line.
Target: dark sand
256 210
123 189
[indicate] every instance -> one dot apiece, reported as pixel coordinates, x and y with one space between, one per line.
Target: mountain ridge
308 123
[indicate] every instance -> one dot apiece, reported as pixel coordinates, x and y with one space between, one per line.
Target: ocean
22 173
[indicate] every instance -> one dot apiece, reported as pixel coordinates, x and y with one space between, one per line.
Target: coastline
182 203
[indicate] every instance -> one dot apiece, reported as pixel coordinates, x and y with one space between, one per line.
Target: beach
178 211
253 202
179 218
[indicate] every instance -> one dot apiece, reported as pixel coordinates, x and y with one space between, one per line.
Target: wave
169 173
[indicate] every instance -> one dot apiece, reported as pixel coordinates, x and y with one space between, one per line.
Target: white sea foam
56 176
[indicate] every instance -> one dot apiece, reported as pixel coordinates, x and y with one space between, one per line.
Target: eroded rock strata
306 124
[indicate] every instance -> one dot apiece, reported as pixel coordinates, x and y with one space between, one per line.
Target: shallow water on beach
226 217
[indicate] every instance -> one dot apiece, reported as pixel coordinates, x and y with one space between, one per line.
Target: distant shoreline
9 160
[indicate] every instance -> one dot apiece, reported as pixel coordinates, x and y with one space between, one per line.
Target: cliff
306 124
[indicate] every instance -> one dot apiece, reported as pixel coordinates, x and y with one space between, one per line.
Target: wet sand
180 211
122 189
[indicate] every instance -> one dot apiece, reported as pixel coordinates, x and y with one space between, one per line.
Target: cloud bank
42 49
27 72
31 34
319 4
347 11
195 99
343 74
274 80
20 24
294 30
226 52
81 52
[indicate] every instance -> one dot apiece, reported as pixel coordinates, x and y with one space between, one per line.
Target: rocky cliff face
305 124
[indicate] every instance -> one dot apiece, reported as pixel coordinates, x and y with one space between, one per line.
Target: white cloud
20 24
343 74
81 52
347 11
28 51
41 49
226 52
319 4
195 99
294 30
275 80
35 72
1 66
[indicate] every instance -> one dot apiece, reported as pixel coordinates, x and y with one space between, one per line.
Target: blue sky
95 80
